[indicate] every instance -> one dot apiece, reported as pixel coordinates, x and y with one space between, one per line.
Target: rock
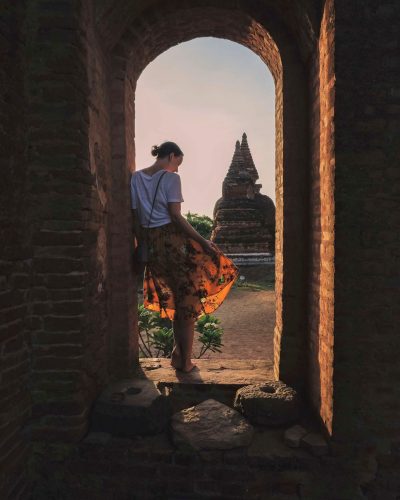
210 425
268 446
293 435
101 438
270 403
315 443
129 408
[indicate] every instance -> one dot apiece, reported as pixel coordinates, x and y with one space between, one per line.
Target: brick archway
81 309
149 34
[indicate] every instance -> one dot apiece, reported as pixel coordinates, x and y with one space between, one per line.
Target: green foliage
163 340
203 320
146 318
162 322
156 334
202 224
210 333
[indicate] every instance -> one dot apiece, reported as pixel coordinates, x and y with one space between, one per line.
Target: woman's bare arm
174 209
136 226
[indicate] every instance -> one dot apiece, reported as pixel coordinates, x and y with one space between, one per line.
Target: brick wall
124 348
15 255
97 352
322 212
367 235
66 213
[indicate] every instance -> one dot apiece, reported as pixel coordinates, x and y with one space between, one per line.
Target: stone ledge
224 371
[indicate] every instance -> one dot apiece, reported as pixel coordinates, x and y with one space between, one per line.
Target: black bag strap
155 194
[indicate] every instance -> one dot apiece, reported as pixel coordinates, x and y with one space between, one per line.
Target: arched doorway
148 34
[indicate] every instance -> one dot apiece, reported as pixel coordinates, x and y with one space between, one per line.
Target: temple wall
367 220
322 213
15 256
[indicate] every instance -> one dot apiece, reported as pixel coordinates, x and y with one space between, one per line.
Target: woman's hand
209 247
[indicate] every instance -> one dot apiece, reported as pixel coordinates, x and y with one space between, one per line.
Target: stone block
315 443
271 403
130 408
210 425
100 438
293 436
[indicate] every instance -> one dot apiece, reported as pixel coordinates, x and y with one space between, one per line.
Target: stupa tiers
244 219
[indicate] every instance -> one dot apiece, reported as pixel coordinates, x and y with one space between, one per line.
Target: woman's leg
176 355
183 333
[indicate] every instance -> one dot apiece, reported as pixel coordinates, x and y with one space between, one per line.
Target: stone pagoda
244 219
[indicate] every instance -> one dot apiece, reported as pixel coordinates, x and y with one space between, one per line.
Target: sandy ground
248 320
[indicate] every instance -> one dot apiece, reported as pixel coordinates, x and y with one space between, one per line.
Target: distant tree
202 224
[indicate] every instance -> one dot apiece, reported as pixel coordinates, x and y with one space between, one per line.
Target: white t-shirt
143 187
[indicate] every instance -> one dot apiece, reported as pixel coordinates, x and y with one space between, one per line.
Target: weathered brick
57 265
60 350
9 330
53 363
10 298
12 314
14 344
59 281
55 338
14 370
47 238
72 307
62 323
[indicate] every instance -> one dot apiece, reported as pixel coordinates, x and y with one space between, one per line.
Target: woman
186 275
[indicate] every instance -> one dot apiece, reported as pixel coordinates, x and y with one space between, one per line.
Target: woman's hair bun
165 149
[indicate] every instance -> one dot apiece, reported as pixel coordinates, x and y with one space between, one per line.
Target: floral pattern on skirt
181 280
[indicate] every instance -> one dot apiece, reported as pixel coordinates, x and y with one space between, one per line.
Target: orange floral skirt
181 280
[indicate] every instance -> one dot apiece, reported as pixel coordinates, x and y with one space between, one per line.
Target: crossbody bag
142 250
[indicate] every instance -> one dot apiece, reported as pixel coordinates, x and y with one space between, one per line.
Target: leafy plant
163 341
146 323
156 334
210 333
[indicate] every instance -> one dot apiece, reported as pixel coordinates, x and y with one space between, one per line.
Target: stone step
216 379
210 371
144 403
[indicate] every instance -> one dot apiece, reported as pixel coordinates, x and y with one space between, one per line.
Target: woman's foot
188 367
176 360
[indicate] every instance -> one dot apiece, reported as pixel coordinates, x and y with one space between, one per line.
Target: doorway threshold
213 378
209 371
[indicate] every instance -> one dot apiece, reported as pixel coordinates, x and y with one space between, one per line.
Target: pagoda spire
248 159
237 163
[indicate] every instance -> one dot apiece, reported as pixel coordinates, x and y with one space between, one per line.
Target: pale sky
203 94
